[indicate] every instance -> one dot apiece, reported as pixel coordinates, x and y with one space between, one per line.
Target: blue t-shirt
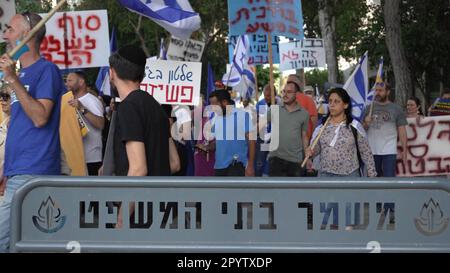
230 132
32 150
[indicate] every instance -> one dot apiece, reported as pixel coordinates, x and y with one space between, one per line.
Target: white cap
308 88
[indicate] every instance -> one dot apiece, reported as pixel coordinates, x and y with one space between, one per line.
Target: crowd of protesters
48 131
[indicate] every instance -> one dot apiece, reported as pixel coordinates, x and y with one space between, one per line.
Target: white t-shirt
92 142
183 115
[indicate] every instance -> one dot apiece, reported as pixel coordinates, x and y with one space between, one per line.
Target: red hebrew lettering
430 123
54 44
93 22
44 44
76 56
291 55
290 16
447 167
187 92
239 12
294 30
444 132
281 26
90 43
144 87
62 23
159 86
414 130
268 27
65 60
400 165
417 151
172 95
420 163
74 43
439 168
252 28
263 13
80 22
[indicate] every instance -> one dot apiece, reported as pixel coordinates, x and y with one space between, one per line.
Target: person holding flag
386 122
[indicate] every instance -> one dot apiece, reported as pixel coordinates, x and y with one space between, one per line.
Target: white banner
87 42
185 50
172 82
302 53
428 147
7 11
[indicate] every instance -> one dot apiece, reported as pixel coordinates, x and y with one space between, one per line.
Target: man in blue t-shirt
32 143
235 141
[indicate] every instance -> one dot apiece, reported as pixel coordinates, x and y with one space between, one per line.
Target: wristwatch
84 111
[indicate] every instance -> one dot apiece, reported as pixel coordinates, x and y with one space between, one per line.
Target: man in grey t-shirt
292 139
387 121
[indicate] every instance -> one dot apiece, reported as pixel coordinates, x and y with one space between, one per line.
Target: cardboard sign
428 152
86 43
301 54
7 11
173 82
185 50
280 17
258 51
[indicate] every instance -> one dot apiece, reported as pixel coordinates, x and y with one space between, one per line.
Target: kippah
133 54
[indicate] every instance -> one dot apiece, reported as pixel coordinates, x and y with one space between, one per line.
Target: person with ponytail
343 143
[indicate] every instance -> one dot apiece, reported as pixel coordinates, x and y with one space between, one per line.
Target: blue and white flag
102 82
240 76
162 51
176 16
357 87
379 79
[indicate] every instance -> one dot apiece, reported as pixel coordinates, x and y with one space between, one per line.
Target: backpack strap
355 135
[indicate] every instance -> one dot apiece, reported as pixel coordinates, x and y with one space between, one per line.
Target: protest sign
171 82
185 50
77 39
301 54
258 50
7 11
280 17
428 152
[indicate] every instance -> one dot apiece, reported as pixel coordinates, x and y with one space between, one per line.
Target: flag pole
272 95
316 140
36 29
256 84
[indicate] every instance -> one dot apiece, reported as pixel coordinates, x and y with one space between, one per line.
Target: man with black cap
142 127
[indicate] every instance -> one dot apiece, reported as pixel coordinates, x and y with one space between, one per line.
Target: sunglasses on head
27 17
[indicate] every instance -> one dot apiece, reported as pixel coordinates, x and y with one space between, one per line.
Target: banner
7 11
173 82
281 18
86 43
301 54
185 50
258 50
428 147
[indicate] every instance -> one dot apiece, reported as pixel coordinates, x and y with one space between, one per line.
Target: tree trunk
327 22
402 72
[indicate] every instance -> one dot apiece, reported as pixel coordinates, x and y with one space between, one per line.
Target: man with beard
235 139
292 135
32 143
387 121
91 111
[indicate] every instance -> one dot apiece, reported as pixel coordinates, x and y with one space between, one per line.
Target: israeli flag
379 79
162 51
176 16
102 82
357 87
241 76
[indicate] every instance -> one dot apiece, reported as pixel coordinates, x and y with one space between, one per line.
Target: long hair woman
343 141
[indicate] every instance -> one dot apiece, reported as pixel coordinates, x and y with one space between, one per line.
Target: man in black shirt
142 127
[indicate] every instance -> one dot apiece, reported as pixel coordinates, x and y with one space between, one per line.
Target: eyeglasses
5 97
27 16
